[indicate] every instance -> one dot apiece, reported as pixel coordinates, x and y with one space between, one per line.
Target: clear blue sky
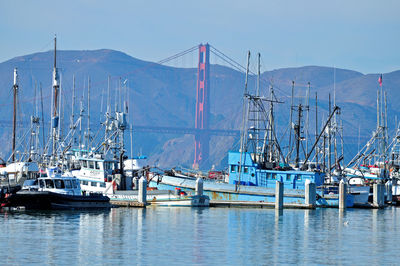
362 35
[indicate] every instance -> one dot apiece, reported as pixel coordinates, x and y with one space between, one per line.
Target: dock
128 203
255 204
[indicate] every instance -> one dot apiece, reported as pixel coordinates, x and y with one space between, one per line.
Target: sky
361 35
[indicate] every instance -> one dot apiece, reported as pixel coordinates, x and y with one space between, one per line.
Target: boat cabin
52 180
251 174
95 174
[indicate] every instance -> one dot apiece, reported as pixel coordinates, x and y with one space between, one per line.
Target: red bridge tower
202 136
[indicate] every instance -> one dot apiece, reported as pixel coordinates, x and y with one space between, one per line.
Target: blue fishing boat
255 169
250 182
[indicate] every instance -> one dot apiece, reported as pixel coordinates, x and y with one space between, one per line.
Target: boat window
246 169
75 183
288 178
274 176
42 183
97 165
59 183
233 168
298 177
85 183
49 183
68 184
102 184
84 164
93 184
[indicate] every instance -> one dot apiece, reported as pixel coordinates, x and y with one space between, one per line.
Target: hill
165 96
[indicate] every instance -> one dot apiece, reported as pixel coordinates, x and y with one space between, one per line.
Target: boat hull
162 198
228 192
45 200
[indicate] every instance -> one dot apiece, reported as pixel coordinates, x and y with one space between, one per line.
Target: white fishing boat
54 190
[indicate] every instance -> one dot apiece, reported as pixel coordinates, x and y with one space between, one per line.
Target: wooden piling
199 187
310 194
389 194
342 195
279 195
142 194
378 197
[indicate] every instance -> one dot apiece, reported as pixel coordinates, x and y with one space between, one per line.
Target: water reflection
200 236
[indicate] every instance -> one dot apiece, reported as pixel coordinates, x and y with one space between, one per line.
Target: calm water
161 236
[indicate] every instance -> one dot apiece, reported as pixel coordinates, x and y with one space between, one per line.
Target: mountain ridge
161 95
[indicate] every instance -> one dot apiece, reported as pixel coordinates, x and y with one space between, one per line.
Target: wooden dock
128 203
255 204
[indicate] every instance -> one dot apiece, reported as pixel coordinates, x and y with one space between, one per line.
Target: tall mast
316 125
15 92
272 126
329 139
55 117
291 123
242 141
257 95
308 115
297 134
73 103
42 118
88 116
244 130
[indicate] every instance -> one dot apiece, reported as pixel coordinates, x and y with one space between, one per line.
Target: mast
80 123
35 127
55 115
308 115
73 103
257 95
244 131
60 111
291 123
329 140
15 93
243 135
88 116
43 129
108 114
297 134
272 126
316 125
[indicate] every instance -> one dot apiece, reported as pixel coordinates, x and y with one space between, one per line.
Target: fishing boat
53 190
255 169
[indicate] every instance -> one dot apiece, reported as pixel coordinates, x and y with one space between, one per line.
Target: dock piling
379 197
142 194
389 194
342 195
279 195
199 186
310 194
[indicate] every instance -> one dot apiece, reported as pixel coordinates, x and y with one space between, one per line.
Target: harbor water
182 236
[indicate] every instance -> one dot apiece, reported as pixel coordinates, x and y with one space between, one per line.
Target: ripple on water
200 236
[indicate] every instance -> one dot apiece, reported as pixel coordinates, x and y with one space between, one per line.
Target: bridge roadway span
153 129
